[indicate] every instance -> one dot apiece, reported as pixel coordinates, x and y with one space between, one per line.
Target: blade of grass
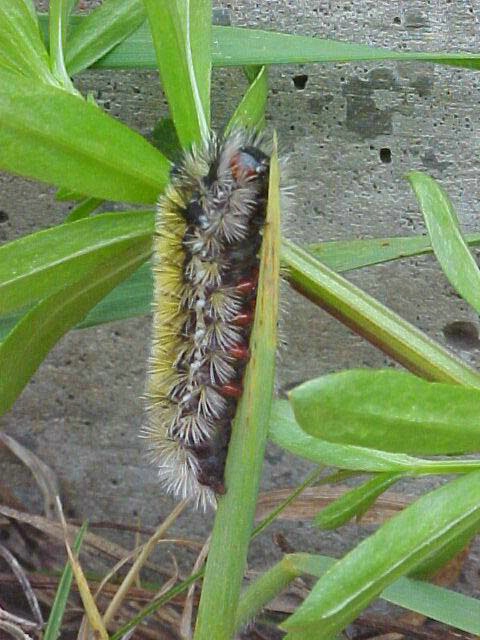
173 35
250 112
53 628
82 148
448 243
88 601
369 318
420 530
238 46
356 502
31 339
346 255
236 510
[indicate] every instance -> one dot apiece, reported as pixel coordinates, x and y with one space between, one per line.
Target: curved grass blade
286 432
389 410
31 339
250 112
375 322
20 42
235 515
402 543
175 36
39 264
82 148
96 34
53 628
449 245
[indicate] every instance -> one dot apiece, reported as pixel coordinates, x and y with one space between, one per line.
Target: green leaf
39 264
286 432
49 135
235 46
234 519
356 502
31 339
250 112
396 548
345 255
59 15
165 139
83 209
375 322
389 410
96 34
53 628
21 46
449 607
448 243
174 36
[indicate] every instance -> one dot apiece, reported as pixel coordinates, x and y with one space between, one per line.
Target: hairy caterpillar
207 240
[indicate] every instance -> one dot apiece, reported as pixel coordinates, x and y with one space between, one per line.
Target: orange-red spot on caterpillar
240 352
247 286
231 390
243 319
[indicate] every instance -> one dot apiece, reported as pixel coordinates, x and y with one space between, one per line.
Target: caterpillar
207 240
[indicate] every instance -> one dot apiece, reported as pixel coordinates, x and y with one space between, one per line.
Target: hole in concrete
385 155
461 334
3 216
396 20
300 81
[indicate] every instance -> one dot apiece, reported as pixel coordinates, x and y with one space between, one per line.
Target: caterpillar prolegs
207 240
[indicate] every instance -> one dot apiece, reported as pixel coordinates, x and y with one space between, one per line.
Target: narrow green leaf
389 410
21 46
96 34
59 15
369 318
235 515
285 431
165 139
81 148
198 23
356 502
83 209
345 255
237 46
172 32
38 264
31 339
396 548
250 112
54 624
449 245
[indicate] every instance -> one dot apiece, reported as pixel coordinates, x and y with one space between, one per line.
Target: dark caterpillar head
249 162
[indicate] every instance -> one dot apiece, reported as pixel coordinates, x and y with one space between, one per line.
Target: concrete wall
352 132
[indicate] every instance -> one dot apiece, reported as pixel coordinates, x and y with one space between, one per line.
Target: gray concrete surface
352 133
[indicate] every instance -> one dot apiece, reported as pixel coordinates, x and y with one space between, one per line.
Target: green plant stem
372 320
236 510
